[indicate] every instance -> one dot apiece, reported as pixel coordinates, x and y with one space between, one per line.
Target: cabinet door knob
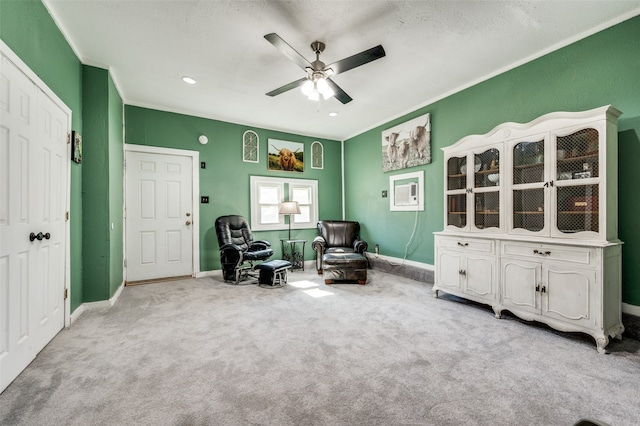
188 223
538 287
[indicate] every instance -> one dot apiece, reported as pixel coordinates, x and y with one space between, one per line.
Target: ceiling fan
317 81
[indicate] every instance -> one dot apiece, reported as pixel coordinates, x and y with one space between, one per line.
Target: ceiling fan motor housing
317 47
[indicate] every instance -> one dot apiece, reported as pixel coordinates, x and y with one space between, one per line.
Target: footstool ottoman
344 267
273 272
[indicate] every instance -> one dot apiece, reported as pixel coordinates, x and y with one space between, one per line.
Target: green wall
102 197
226 177
116 187
27 28
602 69
599 70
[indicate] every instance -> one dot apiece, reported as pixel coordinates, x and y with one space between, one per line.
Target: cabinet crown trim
514 130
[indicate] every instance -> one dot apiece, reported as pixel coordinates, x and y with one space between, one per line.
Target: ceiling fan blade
287 50
338 93
287 87
358 59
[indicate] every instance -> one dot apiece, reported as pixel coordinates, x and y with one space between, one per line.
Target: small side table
294 254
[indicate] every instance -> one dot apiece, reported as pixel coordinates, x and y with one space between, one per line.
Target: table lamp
289 208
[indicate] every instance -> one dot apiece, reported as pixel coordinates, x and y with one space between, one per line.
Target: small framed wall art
76 147
317 155
285 156
250 147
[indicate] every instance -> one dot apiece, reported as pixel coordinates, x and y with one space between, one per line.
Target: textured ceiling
434 48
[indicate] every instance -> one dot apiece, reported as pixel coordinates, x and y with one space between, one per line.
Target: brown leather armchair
340 251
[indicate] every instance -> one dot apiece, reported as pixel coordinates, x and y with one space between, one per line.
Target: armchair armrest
230 247
259 245
360 246
230 257
318 246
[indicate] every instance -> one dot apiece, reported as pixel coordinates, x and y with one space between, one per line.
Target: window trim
284 184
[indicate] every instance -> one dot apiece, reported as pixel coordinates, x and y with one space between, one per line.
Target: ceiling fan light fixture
322 85
314 96
328 93
307 87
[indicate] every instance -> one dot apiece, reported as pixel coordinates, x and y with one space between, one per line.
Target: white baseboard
76 314
214 273
101 304
631 309
394 261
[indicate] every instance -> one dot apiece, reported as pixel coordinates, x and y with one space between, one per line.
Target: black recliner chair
238 251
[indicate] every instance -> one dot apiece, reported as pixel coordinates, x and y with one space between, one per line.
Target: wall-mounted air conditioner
406 195
406 192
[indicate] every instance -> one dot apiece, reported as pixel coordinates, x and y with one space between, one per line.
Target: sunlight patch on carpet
303 284
316 292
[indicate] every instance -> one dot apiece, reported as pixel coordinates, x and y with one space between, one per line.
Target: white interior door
159 216
34 170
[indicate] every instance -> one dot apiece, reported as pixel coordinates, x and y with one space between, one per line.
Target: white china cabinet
531 222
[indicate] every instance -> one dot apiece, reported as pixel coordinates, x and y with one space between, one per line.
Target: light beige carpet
202 352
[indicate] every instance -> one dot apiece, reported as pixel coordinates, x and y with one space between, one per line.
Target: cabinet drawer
581 255
467 244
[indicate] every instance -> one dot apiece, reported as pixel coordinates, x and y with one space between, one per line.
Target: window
266 195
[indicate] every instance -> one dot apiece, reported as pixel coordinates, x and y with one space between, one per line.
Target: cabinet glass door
577 155
528 173
528 162
457 210
457 192
528 209
486 193
488 173
456 173
577 187
578 208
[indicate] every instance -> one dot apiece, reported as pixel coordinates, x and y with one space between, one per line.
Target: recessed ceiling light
188 80
333 114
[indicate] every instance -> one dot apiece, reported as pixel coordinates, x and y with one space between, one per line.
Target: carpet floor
203 352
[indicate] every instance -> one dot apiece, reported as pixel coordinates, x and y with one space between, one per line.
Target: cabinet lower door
567 294
449 267
480 276
519 281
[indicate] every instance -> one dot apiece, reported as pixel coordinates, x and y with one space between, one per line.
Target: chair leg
327 282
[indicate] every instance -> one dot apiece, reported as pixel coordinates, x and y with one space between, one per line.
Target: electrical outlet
204 199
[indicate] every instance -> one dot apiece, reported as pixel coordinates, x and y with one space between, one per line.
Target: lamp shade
289 207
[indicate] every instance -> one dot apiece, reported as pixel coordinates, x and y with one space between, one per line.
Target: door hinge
68 138
66 293
66 216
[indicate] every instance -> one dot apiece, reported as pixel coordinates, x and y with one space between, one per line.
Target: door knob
188 222
39 237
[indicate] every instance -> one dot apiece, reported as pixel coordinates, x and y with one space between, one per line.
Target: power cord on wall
406 250
415 226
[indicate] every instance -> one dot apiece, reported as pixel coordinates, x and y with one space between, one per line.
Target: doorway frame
24 68
195 198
